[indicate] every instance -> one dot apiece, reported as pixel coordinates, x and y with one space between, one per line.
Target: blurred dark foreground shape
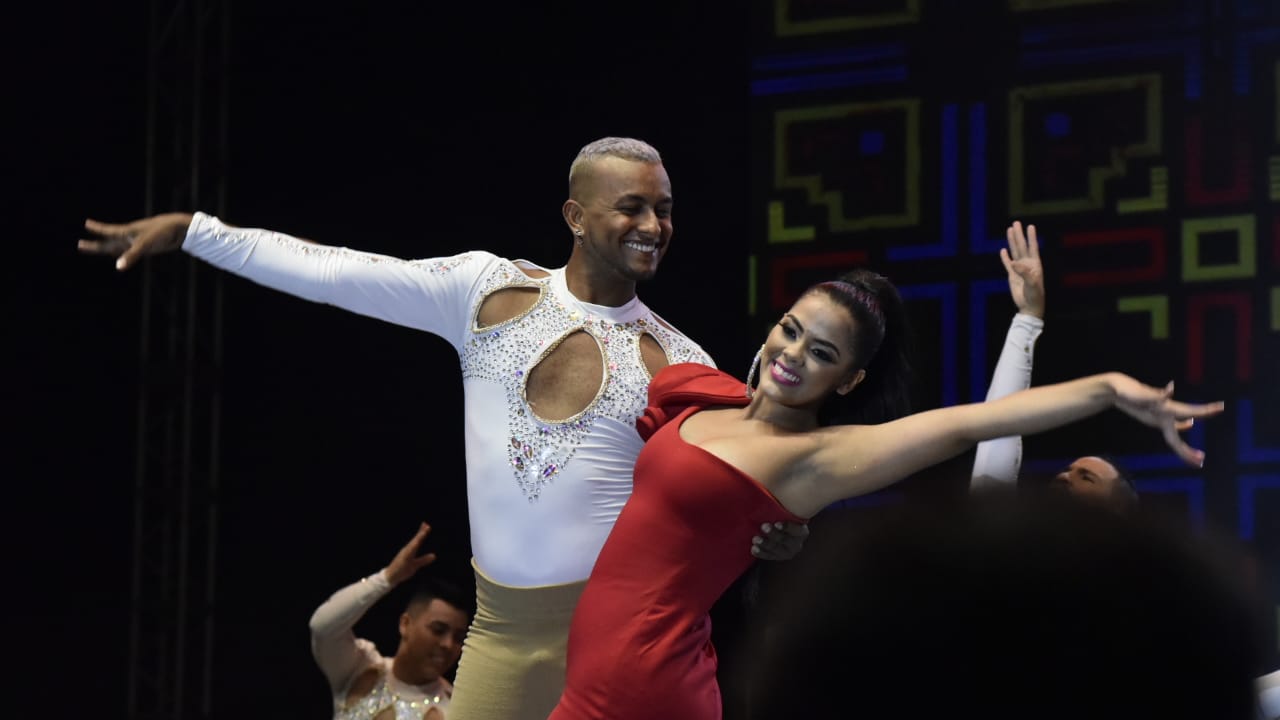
1007 608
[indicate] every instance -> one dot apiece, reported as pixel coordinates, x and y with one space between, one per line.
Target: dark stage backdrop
1143 138
415 130
799 137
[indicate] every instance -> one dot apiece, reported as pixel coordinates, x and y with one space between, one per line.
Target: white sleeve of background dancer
335 647
1268 687
434 295
998 461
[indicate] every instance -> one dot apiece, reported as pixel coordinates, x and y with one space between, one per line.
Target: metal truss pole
171 623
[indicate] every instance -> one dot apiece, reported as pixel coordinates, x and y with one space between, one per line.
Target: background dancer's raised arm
412 682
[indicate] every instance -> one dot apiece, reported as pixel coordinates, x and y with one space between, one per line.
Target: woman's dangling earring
755 367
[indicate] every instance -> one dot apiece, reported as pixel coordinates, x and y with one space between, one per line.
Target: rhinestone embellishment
538 450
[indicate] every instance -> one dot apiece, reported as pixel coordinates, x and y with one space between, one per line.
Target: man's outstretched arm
434 295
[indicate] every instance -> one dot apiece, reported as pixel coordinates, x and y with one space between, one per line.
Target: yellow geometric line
1157 200
833 200
1246 264
1275 309
785 27
1025 5
1156 305
778 230
1095 199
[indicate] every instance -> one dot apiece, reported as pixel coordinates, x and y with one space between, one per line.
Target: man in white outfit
555 365
411 683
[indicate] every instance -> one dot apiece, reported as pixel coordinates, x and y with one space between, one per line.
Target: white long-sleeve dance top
342 658
998 461
543 494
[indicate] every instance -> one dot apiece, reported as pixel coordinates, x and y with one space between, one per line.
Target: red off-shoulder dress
640 641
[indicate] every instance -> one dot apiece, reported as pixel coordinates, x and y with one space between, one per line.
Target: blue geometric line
945 293
1248 485
871 142
979 291
1057 125
825 58
1189 48
1134 463
979 243
1193 83
1192 487
1245 42
1247 9
950 220
1119 51
1146 26
879 498
828 81
1246 452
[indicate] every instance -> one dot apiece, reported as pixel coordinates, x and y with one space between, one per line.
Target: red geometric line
780 267
1153 237
1197 193
1196 310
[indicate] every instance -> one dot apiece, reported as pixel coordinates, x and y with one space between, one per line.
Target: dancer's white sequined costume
343 657
542 494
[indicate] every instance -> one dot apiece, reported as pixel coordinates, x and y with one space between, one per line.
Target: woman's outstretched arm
854 460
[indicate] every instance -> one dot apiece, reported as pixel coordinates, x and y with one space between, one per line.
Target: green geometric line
784 26
1156 305
833 200
778 230
1117 165
1246 264
1275 309
1024 5
1157 200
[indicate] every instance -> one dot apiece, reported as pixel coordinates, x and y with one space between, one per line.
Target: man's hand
407 562
779 541
1026 277
129 242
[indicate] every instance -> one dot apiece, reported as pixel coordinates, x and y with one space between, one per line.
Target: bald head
1100 480
580 172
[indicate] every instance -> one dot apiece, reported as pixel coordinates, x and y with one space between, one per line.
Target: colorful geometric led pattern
1142 138
813 17
845 159
1068 139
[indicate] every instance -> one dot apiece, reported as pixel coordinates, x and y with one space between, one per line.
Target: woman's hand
1157 408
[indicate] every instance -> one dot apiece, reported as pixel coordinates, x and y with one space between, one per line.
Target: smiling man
556 365
364 683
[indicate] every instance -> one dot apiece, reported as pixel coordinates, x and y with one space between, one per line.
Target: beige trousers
512 665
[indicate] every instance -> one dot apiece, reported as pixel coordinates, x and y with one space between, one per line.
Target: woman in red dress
722 459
